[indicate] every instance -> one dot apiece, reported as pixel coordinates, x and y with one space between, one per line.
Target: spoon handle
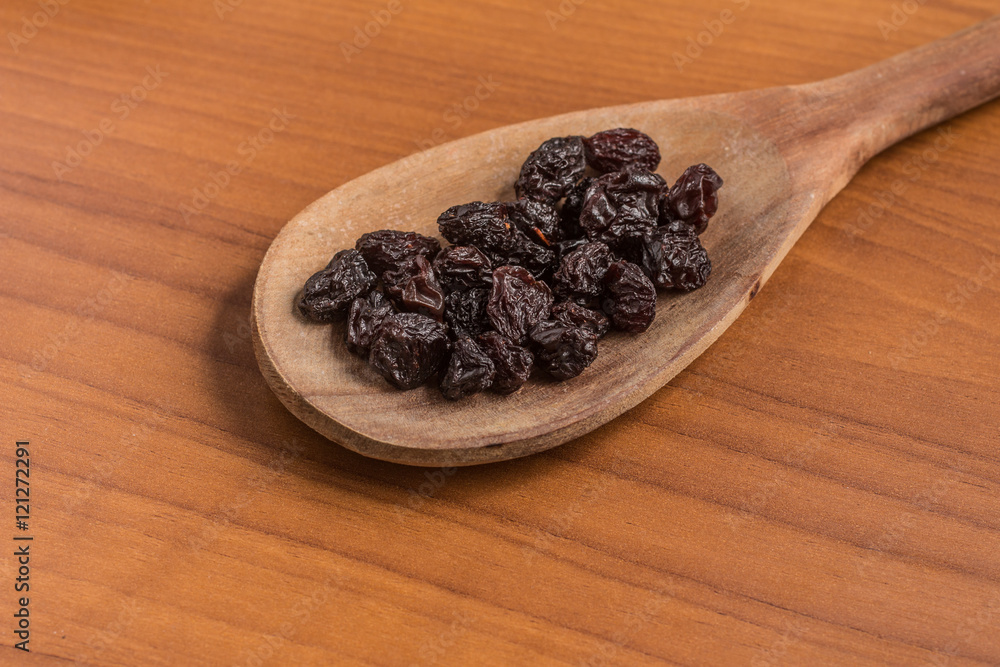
891 100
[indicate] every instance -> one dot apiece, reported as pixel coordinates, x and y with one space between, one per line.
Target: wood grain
820 487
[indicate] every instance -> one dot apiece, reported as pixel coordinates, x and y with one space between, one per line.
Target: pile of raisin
533 283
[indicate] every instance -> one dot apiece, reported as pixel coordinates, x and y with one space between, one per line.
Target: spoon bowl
783 153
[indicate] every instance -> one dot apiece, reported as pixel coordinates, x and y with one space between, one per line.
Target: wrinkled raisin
414 287
552 169
614 150
580 272
328 293
465 312
675 259
694 198
488 227
485 225
462 267
364 321
386 249
409 349
622 205
629 297
563 350
536 220
470 371
572 207
576 315
512 362
517 302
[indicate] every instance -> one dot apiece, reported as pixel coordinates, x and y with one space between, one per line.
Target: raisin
365 320
328 293
465 312
614 150
675 259
517 302
563 350
470 371
462 267
409 349
621 206
488 227
693 198
552 169
576 315
536 220
512 362
481 224
386 249
414 287
564 248
536 258
629 297
572 207
580 272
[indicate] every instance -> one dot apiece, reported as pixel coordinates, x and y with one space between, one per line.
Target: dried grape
552 169
386 249
614 150
365 320
580 272
465 312
328 293
568 312
470 371
512 362
693 198
622 205
462 267
563 350
409 349
675 259
517 302
629 297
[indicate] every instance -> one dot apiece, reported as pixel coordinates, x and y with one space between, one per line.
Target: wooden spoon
783 152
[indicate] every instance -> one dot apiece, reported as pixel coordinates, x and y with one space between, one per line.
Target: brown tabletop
820 487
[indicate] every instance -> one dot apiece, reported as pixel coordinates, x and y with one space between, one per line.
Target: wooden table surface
821 487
